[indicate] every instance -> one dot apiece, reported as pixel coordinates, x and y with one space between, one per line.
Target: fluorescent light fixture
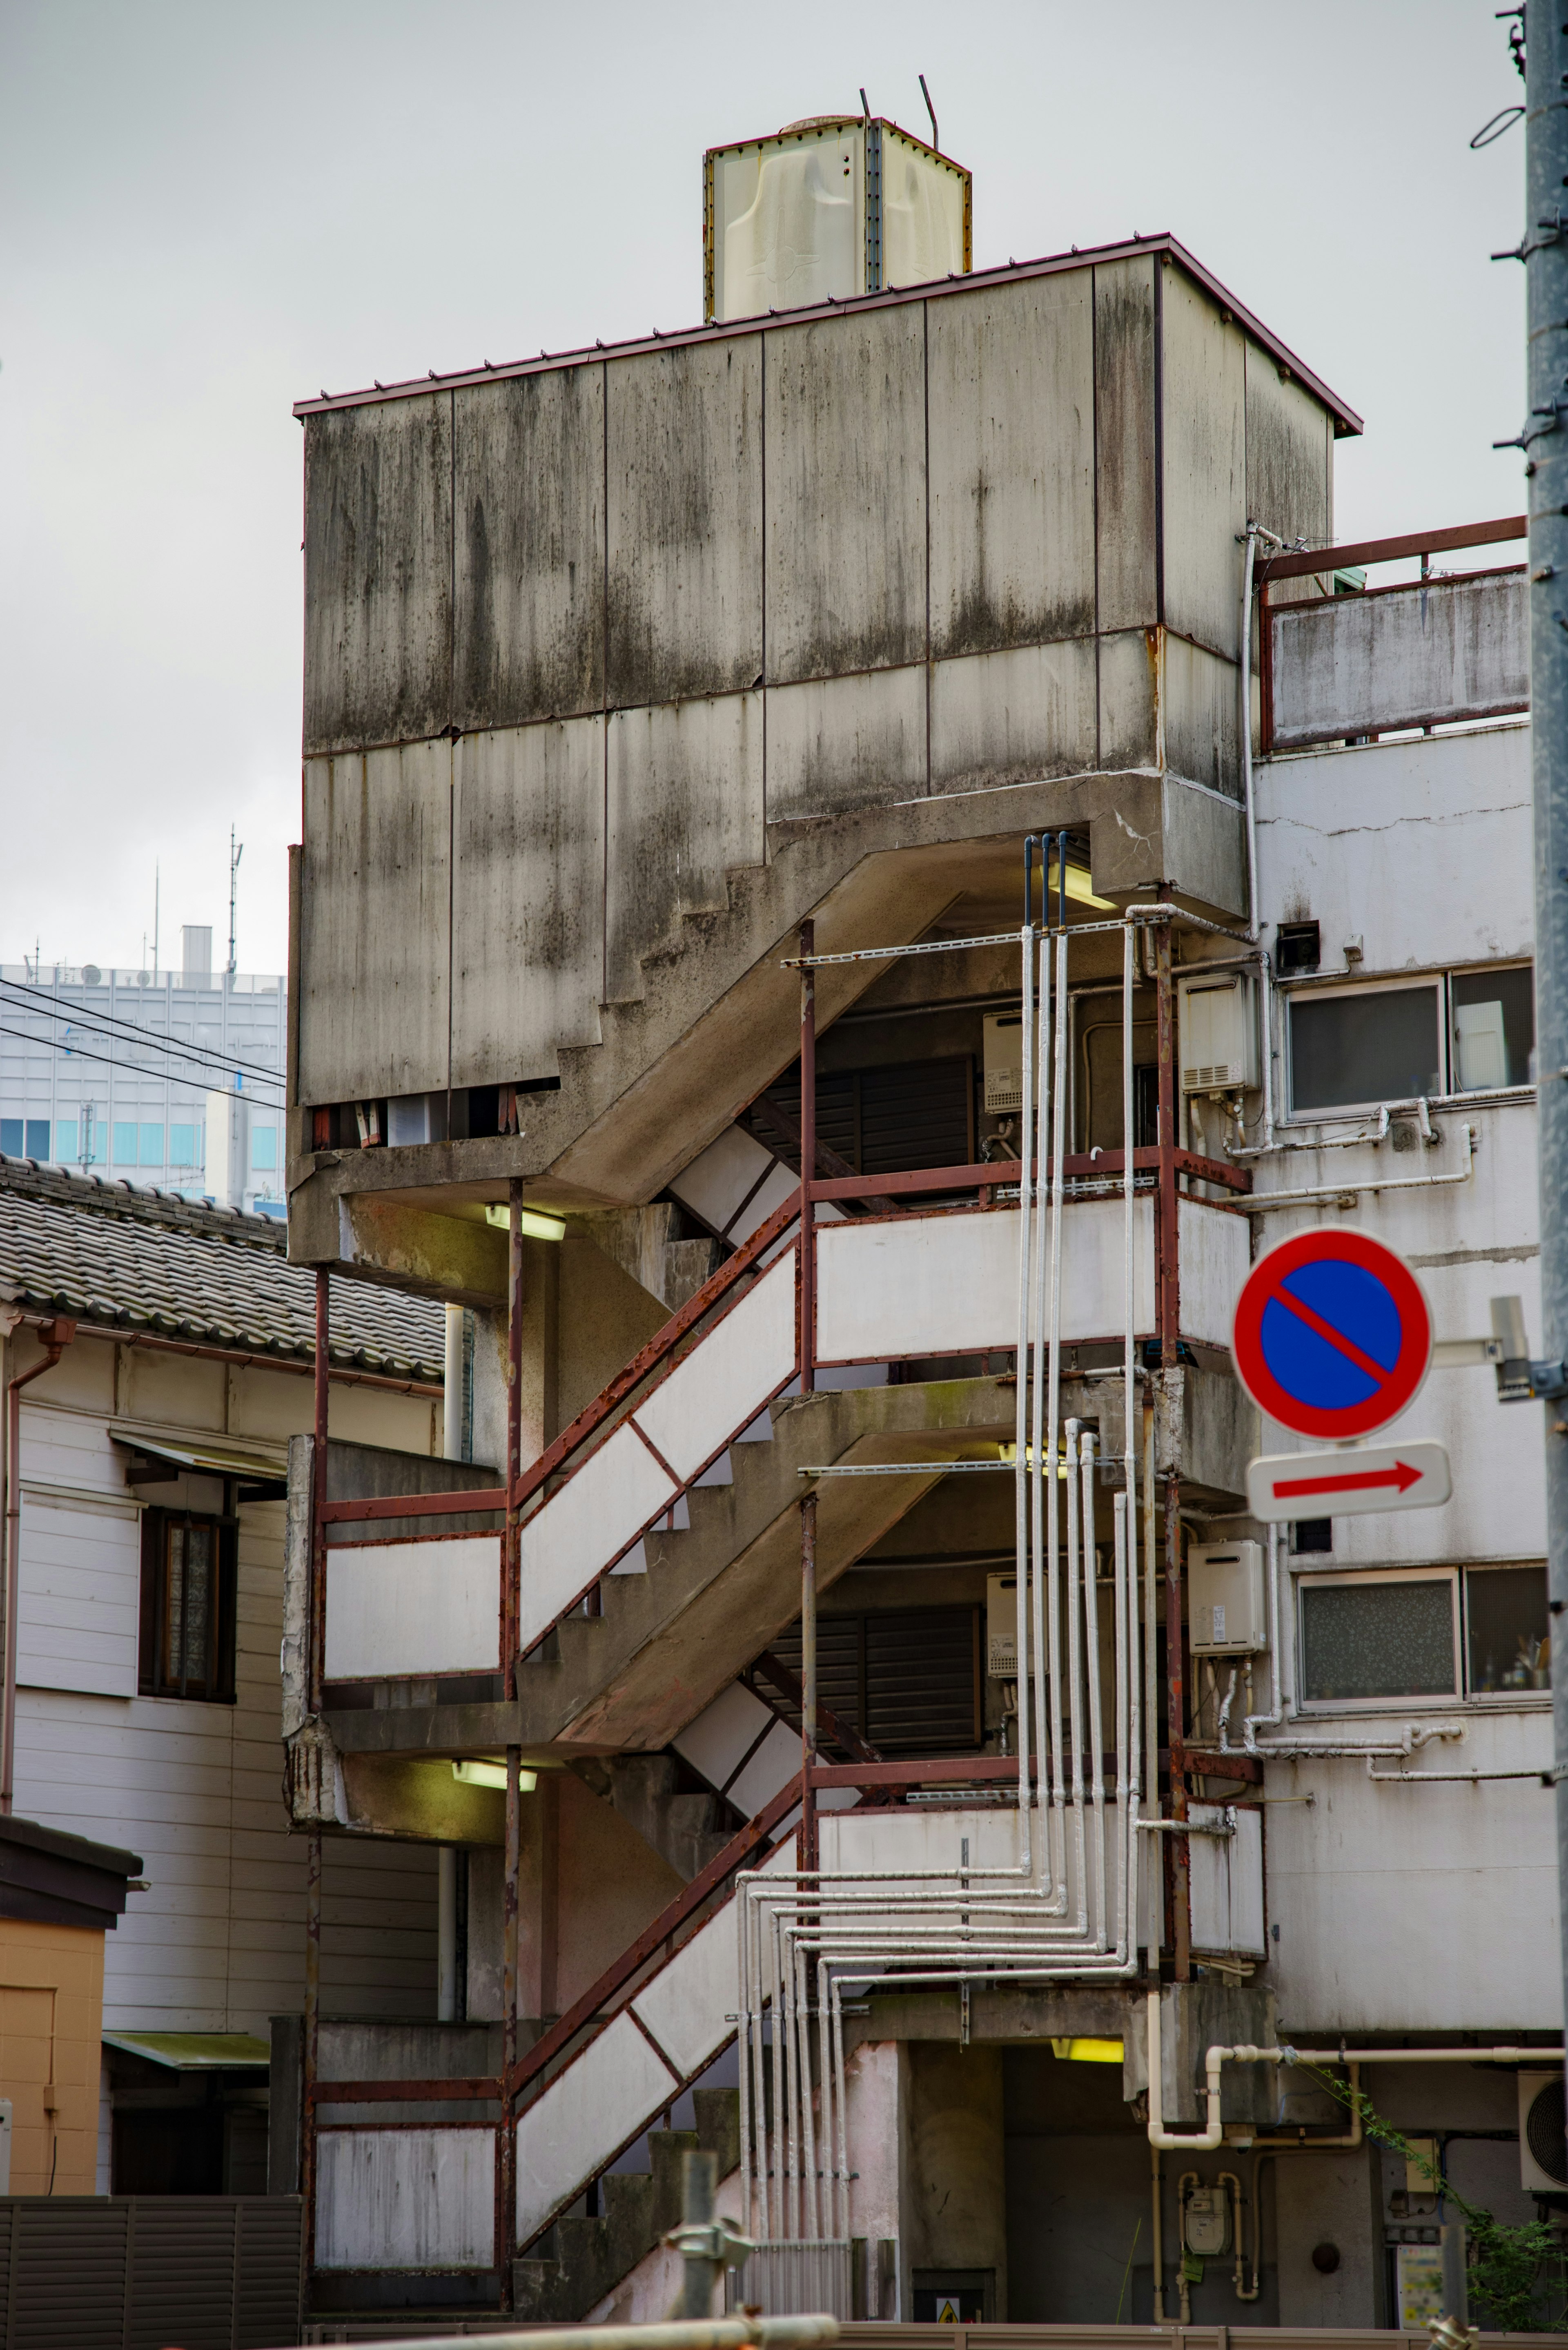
1078 890
493 1775
535 1224
1009 1452
1087 2051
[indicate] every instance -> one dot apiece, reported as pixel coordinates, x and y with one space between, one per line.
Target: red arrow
1401 1474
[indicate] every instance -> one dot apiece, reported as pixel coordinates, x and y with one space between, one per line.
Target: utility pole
1544 252
236 850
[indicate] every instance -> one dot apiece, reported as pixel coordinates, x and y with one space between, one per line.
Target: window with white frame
1354 1047
1373 1639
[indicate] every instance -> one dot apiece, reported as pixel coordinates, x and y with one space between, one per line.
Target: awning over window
259 1478
195 2052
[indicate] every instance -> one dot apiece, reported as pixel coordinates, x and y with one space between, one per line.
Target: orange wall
51 2023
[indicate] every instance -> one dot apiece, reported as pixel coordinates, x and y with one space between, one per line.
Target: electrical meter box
1003 1063
1225 1598
1002 1627
1218 1032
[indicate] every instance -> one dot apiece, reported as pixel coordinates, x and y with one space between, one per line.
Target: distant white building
115 1071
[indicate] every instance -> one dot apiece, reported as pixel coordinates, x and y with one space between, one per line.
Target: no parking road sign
1333 1335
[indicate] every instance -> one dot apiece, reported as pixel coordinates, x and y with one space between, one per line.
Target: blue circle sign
1333 1335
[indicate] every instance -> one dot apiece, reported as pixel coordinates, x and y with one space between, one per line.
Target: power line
81 1053
127 1031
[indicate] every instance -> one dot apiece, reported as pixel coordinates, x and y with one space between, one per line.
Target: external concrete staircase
583 2259
702 1598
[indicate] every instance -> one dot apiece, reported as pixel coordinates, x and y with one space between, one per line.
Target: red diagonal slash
1401 1474
1280 1296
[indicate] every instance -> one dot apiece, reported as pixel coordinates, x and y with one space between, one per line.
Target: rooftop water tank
826 209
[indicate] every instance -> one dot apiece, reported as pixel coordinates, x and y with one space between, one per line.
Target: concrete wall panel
406 2199
1290 467
845 440
528 549
1131 733
527 898
394 1608
947 1285
685 809
1012 421
1202 717
685 521
1127 492
377 574
1368 1873
1012 717
1383 843
1204 465
375 924
846 743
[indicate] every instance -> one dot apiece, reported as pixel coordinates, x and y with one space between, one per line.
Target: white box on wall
1225 1599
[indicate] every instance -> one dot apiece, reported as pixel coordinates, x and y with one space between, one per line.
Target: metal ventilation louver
1543 2133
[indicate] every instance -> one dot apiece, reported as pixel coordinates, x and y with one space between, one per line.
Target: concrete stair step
590 2256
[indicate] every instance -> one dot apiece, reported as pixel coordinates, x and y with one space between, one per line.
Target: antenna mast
236 850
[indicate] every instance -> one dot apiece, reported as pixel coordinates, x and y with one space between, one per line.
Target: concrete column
954 2203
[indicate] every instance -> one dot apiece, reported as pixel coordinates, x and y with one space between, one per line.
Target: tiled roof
120 1256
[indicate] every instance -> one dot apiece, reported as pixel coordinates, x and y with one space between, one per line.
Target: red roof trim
1346 421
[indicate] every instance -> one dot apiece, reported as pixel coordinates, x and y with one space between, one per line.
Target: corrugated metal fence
138 2271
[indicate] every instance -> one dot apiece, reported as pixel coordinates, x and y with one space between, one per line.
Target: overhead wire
104 1023
138 1068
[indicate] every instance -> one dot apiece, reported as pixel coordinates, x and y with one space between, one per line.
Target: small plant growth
1511 2269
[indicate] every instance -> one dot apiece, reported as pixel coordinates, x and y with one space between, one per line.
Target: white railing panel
686 2004
605 2097
1216 1256
723 1732
947 1285
405 2199
586 1526
398 1608
1400 657
775 1760
743 1359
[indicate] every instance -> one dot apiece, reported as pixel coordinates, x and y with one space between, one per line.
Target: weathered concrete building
683 715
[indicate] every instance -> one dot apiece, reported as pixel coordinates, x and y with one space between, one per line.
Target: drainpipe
1254 532
57 1337
1544 249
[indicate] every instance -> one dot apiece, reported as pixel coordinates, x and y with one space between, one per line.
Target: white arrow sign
1349 1483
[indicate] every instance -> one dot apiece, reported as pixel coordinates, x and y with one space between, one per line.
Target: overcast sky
210 209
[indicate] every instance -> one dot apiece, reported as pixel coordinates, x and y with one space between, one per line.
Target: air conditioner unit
1542 2122
1218 1032
1003 1063
1225 1599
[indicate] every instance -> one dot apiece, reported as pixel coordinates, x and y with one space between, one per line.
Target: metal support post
318 1619
311 2051
808 1725
1175 1732
511 1598
1544 246
507 2132
807 1160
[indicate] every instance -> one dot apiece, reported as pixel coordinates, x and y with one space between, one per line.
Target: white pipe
1275 1714
1258 1202
1213 2133
1158 2225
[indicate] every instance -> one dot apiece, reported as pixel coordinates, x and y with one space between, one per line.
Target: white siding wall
218 1943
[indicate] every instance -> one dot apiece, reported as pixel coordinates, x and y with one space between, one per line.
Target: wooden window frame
152 1680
